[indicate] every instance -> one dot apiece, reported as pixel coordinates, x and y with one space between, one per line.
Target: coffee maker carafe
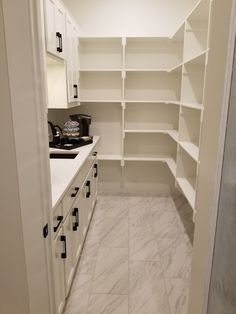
84 123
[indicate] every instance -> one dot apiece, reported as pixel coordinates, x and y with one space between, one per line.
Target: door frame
205 227
25 101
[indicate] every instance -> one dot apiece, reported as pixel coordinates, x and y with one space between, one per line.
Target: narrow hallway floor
136 258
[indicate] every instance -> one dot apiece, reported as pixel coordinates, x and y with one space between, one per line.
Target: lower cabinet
70 228
59 278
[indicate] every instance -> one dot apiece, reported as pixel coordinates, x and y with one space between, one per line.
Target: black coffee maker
84 123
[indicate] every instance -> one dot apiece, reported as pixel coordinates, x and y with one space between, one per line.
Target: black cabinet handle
76 192
75 213
96 170
63 239
59 36
59 219
95 153
76 90
89 190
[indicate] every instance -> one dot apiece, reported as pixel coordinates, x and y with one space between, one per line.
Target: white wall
129 17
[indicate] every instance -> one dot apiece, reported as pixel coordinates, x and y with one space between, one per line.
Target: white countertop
63 171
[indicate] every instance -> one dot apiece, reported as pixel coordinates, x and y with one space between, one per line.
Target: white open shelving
146 98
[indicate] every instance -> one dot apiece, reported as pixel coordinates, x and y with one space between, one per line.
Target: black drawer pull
96 170
75 213
63 239
59 36
76 91
59 219
89 191
76 192
95 153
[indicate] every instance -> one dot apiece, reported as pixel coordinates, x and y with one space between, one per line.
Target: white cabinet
77 227
71 219
58 265
72 59
55 27
68 254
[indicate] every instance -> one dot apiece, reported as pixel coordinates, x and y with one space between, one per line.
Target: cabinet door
59 279
77 227
72 60
89 193
51 40
68 256
55 27
60 21
95 182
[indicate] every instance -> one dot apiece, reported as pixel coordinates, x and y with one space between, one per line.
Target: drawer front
73 191
57 219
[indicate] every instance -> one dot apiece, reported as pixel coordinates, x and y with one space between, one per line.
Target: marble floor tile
136 258
115 232
117 206
143 245
177 291
111 271
108 304
166 225
77 302
96 224
147 292
175 257
89 255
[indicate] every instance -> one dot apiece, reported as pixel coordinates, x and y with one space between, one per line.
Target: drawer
57 219
73 190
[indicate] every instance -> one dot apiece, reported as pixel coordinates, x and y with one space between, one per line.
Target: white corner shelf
190 148
186 185
151 93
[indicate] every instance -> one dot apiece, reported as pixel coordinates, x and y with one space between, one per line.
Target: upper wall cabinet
72 59
55 28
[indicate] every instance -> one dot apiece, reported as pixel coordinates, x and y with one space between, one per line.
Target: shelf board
176 68
172 165
157 101
146 70
100 70
196 58
100 101
172 133
191 149
109 157
160 158
192 105
186 185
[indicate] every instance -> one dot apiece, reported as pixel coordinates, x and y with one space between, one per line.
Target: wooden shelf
187 188
191 149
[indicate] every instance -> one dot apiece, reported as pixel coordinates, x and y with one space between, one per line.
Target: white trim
223 125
